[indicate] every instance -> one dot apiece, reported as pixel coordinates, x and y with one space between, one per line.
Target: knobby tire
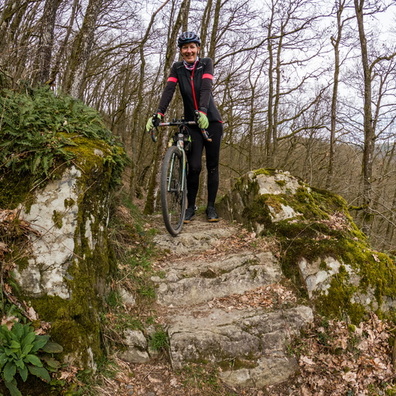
173 190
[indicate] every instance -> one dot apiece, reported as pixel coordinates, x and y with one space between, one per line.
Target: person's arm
168 91
206 86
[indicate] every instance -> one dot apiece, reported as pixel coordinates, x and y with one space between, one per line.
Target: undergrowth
133 251
37 126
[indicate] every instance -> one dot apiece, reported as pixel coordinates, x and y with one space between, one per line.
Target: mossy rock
313 227
63 257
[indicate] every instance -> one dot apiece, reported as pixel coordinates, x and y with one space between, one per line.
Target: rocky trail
223 300
230 318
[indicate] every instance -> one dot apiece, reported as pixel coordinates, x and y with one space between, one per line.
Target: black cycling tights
212 151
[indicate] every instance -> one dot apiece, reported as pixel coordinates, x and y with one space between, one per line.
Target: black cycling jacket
195 87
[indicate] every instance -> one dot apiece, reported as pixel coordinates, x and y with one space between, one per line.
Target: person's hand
202 121
153 122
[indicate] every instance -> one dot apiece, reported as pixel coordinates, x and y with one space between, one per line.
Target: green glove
202 121
153 121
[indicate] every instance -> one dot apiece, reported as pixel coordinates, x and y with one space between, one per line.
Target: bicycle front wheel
173 190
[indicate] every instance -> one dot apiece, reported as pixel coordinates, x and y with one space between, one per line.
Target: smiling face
189 52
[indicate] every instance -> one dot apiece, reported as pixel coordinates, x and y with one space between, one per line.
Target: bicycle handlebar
177 123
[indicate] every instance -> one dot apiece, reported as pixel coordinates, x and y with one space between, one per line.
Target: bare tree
46 42
136 154
336 41
81 50
368 117
64 42
291 28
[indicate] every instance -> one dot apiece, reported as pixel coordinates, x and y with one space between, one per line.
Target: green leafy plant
19 349
38 126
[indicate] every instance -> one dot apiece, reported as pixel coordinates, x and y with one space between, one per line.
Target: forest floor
335 358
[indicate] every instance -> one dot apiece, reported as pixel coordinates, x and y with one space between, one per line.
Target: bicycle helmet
188 37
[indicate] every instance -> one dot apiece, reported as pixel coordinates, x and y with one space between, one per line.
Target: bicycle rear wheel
173 190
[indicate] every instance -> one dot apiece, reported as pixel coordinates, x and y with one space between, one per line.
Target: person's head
189 44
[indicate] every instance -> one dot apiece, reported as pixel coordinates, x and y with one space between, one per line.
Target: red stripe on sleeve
207 75
172 79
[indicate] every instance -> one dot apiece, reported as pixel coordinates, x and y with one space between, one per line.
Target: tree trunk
81 50
334 99
215 28
206 19
46 41
271 89
368 128
62 48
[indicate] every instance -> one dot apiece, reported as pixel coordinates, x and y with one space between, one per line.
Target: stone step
225 302
248 344
190 282
194 237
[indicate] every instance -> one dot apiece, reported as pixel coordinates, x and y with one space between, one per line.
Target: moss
264 171
69 202
323 266
337 302
22 261
14 190
275 202
57 219
258 212
73 324
376 271
313 208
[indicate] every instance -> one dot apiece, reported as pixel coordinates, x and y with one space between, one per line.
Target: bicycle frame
173 181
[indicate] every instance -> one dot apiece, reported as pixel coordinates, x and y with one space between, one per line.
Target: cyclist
194 75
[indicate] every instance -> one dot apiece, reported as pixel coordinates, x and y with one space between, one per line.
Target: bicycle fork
183 173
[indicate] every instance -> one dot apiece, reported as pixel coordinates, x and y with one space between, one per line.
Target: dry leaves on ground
341 359
269 297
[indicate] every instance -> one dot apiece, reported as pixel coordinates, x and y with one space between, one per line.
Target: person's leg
194 158
212 149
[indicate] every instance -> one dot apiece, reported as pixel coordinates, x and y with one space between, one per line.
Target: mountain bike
173 181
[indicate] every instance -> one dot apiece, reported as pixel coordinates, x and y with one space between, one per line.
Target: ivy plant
19 355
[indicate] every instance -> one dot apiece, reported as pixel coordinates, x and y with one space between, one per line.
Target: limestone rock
186 242
127 297
53 250
236 273
237 336
248 342
324 252
64 275
136 345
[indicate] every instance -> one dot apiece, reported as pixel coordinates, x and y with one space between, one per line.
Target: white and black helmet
188 37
